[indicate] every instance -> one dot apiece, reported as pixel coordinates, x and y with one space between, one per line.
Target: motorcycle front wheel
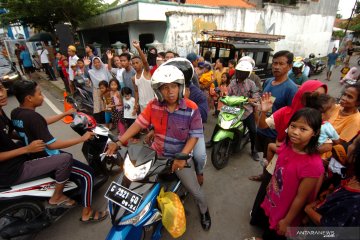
19 212
220 153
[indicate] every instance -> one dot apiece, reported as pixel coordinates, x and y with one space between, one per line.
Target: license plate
123 197
231 110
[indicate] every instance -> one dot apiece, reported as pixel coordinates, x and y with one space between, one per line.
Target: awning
242 36
235 45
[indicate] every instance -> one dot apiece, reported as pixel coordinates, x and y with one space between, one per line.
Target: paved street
229 192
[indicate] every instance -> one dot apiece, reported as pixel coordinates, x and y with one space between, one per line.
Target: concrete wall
307 27
157 28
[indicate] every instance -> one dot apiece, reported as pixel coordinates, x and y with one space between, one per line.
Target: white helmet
245 68
183 65
167 74
248 59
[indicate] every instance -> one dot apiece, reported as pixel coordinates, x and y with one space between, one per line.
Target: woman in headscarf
98 73
353 74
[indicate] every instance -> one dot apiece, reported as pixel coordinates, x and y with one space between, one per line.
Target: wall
157 28
307 27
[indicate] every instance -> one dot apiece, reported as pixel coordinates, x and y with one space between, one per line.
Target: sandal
257 178
63 204
100 217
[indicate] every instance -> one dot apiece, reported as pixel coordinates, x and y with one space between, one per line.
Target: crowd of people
310 143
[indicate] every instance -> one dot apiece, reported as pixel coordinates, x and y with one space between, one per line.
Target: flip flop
257 178
101 216
62 204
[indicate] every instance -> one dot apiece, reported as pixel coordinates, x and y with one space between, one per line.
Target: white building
307 26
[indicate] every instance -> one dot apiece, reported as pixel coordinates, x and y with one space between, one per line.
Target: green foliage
45 14
338 34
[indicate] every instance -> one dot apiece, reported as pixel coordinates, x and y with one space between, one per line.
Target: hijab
352 74
98 75
284 114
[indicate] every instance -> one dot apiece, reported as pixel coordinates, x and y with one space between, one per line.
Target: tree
45 14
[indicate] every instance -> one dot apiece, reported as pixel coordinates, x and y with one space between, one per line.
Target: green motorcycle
231 135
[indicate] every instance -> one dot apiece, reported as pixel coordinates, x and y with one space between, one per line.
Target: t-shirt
11 169
72 61
26 58
346 126
171 129
129 108
284 94
332 58
31 126
127 78
291 168
327 131
43 53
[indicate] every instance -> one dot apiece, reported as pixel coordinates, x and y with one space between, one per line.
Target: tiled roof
227 3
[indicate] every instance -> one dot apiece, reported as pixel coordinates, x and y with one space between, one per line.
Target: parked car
8 74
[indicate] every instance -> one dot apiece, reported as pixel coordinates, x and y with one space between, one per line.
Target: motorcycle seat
4 188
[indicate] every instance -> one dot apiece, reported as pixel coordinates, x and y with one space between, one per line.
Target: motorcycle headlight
135 173
138 217
225 124
10 76
13 76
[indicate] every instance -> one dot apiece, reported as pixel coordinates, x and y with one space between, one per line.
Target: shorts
331 67
29 69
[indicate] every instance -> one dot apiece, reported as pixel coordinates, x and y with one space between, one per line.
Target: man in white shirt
44 59
72 62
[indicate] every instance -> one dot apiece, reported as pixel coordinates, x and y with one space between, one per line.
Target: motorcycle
132 197
83 95
316 65
24 208
232 134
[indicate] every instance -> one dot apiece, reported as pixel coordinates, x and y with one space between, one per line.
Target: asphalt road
229 193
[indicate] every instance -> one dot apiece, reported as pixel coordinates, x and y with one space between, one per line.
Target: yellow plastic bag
173 213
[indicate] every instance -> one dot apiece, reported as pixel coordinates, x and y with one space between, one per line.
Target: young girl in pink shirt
296 177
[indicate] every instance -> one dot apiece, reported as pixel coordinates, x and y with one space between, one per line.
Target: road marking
51 105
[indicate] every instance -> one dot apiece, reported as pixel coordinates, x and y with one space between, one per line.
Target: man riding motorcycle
297 74
177 127
243 86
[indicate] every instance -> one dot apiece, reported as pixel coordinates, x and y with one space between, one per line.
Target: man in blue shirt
283 91
331 62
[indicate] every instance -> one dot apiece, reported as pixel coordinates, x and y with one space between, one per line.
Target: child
106 97
116 105
129 110
344 70
65 70
296 175
222 91
206 79
232 64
